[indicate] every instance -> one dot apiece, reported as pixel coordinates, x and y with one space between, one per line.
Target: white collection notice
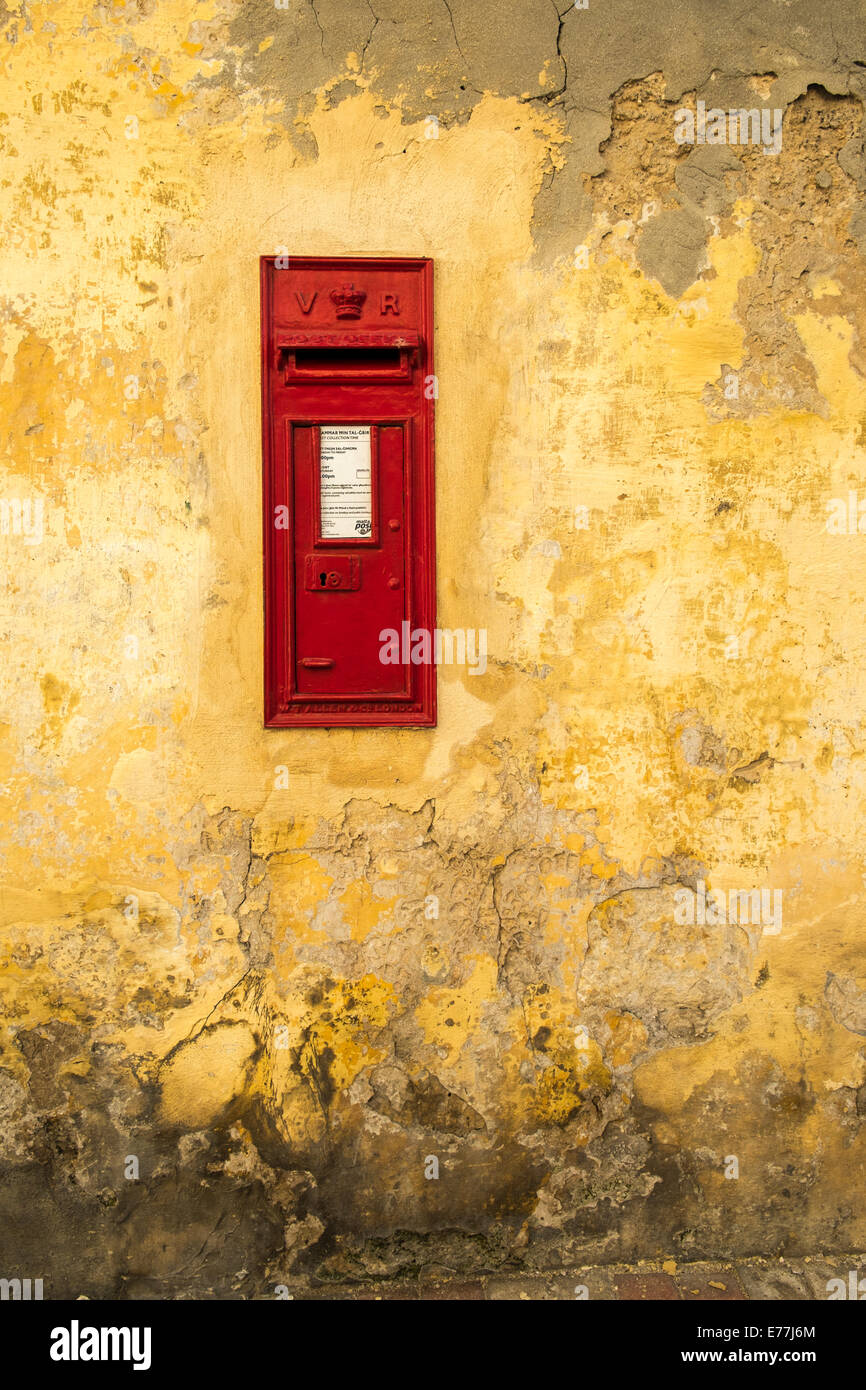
346 488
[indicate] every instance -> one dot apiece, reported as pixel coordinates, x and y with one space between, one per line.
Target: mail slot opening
318 363
335 360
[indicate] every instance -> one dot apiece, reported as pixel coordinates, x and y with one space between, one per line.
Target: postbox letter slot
346 361
336 361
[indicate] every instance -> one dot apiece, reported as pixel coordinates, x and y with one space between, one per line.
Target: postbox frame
396 398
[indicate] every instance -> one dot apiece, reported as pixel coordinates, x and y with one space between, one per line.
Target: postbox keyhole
323 579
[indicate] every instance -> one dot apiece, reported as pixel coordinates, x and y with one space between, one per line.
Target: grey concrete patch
673 249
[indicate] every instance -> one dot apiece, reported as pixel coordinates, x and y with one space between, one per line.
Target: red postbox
349 539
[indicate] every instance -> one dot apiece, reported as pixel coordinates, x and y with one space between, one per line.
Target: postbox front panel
348 490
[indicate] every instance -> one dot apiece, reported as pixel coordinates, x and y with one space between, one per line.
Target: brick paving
759 1278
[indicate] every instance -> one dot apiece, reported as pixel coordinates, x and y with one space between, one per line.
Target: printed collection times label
346 486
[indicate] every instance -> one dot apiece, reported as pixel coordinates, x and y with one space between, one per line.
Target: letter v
305 307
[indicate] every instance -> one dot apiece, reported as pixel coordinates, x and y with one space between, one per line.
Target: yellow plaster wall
612 745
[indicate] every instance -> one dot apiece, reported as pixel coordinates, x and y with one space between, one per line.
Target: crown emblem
348 301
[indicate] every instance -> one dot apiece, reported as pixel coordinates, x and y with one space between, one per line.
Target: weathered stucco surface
222 956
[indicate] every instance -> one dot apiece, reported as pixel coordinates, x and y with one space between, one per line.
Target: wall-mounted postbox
349 558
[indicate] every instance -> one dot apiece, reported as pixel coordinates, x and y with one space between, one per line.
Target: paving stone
771 1279
760 1279
820 1269
389 1293
325 1293
701 1282
452 1290
595 1279
598 1281
635 1285
529 1288
357 1293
